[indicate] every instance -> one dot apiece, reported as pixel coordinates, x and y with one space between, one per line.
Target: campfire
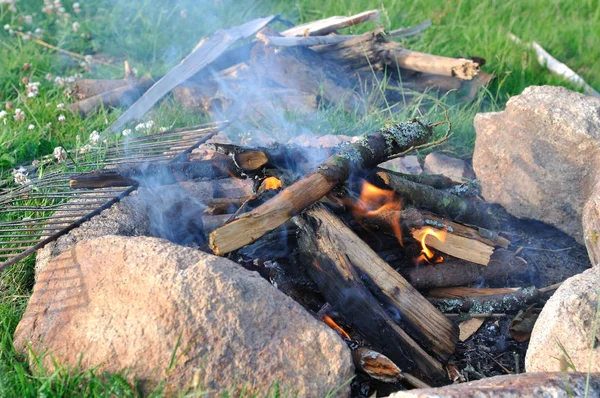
396 261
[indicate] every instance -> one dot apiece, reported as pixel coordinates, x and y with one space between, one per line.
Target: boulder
456 169
539 157
179 316
568 320
407 165
547 385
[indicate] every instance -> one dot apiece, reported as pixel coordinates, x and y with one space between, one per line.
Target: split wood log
121 96
454 245
199 58
369 151
557 384
439 202
380 367
154 174
511 301
304 70
432 328
332 269
331 24
459 273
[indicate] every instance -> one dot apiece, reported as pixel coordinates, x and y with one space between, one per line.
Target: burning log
333 271
369 151
123 95
455 245
439 202
154 174
459 272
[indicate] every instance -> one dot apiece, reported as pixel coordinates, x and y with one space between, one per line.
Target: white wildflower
38 32
83 64
26 36
7 27
149 124
49 124
60 154
3 114
85 149
19 114
141 126
33 89
60 81
28 19
60 106
88 58
61 118
163 129
76 26
49 77
71 79
94 137
76 8
30 127
77 138
35 163
126 132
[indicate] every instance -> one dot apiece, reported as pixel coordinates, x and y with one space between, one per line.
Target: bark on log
333 271
155 174
424 323
500 303
120 96
442 203
369 151
556 384
460 273
437 181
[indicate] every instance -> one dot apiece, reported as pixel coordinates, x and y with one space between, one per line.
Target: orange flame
271 183
374 201
426 253
331 323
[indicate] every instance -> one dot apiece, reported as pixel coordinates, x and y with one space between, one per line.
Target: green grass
153 36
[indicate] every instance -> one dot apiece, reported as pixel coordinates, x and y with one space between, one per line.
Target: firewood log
369 151
120 96
453 272
455 245
509 301
86 88
332 268
155 174
437 181
439 202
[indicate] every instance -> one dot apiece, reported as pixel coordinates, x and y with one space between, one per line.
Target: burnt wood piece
154 174
440 202
551 384
121 96
511 301
304 70
333 270
368 151
460 273
217 206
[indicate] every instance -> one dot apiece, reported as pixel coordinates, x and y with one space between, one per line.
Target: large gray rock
568 320
539 157
136 303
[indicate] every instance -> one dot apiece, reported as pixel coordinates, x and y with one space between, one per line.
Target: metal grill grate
44 208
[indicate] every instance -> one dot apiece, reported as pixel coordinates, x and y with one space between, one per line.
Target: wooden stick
331 24
439 202
301 41
424 323
409 31
369 151
455 245
459 272
556 67
437 181
458 292
340 283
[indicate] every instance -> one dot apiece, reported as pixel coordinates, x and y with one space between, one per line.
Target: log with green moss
369 151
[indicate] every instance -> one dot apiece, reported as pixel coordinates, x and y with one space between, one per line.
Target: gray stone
407 165
135 303
539 158
456 169
568 319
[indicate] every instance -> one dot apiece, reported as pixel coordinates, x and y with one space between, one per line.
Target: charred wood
333 271
511 301
503 263
369 151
